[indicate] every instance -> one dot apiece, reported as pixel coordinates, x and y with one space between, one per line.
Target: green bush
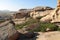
51 26
58 29
43 26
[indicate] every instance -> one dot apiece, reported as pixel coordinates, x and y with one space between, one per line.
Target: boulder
38 14
40 11
7 31
53 17
47 18
22 13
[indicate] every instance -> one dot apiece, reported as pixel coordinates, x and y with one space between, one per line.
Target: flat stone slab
49 36
45 36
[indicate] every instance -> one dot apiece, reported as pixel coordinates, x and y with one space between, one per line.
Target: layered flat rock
49 36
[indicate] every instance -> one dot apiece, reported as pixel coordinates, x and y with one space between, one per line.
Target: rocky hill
39 11
53 17
25 21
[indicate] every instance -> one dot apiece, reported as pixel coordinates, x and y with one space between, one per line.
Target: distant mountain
6 12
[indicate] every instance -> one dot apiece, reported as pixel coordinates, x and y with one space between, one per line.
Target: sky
15 5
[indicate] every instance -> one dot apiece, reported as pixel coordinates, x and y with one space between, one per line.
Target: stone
7 31
40 12
49 36
32 27
21 13
53 16
29 34
42 8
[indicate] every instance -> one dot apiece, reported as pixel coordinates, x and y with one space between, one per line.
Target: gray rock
7 30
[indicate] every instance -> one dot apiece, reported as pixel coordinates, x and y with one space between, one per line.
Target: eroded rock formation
54 16
40 11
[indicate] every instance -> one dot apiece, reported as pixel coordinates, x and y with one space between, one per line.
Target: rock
22 13
48 29
42 8
54 16
54 35
32 27
47 18
40 12
30 12
29 34
49 36
7 31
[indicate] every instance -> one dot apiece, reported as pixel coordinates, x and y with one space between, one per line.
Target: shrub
30 21
51 26
42 26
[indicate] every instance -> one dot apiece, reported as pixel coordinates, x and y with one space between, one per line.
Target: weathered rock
30 12
54 35
55 15
29 34
32 27
7 31
49 36
26 30
22 13
47 18
40 11
26 34
42 8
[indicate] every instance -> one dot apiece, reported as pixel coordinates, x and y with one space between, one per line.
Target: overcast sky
14 5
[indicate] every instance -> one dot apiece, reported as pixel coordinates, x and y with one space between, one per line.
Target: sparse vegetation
30 21
42 26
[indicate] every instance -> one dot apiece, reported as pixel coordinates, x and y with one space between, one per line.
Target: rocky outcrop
7 31
42 8
46 18
53 17
40 11
22 13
